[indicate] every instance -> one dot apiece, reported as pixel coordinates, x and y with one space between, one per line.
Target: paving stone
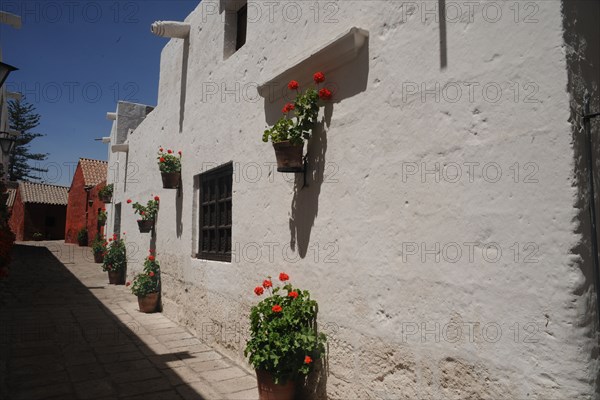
223 374
136 375
141 387
250 394
85 372
205 356
94 389
169 337
237 384
211 365
116 357
43 392
183 374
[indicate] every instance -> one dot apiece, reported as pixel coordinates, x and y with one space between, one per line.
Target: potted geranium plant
105 194
146 285
170 168
147 213
115 261
284 342
82 237
290 131
102 216
99 248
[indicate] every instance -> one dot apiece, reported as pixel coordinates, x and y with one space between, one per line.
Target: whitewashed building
444 226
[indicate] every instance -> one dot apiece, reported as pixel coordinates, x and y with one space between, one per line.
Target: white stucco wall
364 223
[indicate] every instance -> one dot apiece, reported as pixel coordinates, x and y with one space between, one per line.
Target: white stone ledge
120 148
325 58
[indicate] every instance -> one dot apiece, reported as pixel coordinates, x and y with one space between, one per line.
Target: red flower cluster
293 85
325 94
128 201
128 283
293 294
307 360
259 290
162 159
267 283
169 151
151 258
276 308
319 77
151 273
288 107
156 198
283 277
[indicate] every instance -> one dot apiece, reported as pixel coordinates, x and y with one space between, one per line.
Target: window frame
211 178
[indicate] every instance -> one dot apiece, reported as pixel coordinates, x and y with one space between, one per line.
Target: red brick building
84 205
39 208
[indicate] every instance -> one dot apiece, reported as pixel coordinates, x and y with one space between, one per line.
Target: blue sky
75 60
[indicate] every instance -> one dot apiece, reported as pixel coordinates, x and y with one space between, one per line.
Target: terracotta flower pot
268 390
170 179
148 303
145 225
106 199
98 258
116 278
289 157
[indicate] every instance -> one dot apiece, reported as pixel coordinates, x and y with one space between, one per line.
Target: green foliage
82 236
106 191
148 281
149 211
281 341
99 245
169 162
115 259
37 235
102 216
23 118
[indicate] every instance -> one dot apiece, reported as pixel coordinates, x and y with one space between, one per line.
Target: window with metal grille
215 214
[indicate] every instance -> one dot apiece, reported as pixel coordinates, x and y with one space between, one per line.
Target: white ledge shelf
120 148
326 58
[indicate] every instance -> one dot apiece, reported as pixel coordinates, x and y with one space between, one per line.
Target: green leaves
296 130
115 259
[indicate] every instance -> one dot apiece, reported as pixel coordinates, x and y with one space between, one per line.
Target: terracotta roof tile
43 194
94 171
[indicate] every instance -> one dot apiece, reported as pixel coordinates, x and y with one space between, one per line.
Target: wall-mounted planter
106 199
145 226
171 179
289 157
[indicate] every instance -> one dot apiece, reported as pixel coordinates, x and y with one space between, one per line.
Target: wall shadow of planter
347 80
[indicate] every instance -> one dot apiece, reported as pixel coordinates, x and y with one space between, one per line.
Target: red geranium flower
169 151
258 290
151 273
128 283
293 294
179 152
110 240
319 77
267 283
325 94
128 201
162 159
277 308
156 198
293 85
151 258
288 107
161 149
283 277
307 360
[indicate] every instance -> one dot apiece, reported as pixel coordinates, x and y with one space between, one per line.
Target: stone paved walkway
65 333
